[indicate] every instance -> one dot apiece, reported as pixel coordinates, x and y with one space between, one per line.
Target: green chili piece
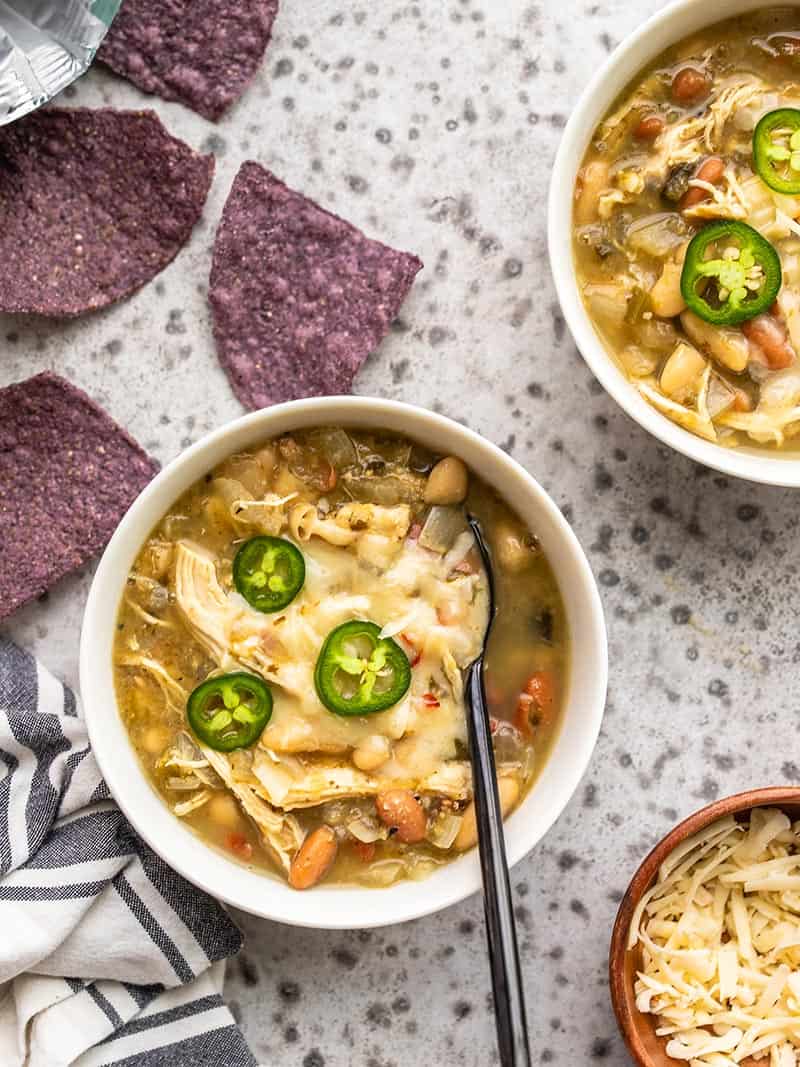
776 150
269 572
731 273
359 672
230 711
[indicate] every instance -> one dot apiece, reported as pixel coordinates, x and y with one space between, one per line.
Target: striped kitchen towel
106 955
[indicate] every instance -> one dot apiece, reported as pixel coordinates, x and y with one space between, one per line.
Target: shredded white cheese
720 940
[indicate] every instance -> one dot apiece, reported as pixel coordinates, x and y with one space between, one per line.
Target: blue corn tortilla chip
300 297
93 204
68 473
202 53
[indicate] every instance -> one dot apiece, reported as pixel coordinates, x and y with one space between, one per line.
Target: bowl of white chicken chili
674 233
273 653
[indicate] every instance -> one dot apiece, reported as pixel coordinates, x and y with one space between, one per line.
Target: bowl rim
342 907
637 49
642 880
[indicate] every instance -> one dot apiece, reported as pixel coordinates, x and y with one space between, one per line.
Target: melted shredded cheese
720 940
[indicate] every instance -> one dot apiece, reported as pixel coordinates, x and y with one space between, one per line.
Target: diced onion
367 830
657 235
442 527
185 785
396 626
384 872
444 830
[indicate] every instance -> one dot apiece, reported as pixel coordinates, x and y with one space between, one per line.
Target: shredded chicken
184 807
725 201
233 635
764 426
289 787
281 833
698 421
174 693
690 140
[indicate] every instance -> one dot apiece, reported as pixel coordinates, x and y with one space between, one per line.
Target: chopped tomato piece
365 850
429 700
494 694
449 613
537 698
332 479
468 565
239 845
416 653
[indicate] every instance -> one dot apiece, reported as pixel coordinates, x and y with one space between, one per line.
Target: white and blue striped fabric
107 957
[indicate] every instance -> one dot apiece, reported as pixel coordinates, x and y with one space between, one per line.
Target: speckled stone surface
433 126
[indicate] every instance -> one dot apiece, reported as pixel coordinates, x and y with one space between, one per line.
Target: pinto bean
400 810
690 85
648 128
508 791
313 859
769 333
710 171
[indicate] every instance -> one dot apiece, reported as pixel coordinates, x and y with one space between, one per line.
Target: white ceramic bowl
671 24
343 906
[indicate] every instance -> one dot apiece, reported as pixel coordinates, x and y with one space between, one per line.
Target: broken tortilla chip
202 53
300 297
93 204
68 473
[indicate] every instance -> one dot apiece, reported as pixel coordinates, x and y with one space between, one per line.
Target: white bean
725 344
682 371
513 551
155 739
372 752
592 180
666 298
508 790
447 482
224 811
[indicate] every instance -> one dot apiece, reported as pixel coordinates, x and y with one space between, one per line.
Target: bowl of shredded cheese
704 963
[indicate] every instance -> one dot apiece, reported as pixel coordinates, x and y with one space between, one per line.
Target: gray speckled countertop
432 126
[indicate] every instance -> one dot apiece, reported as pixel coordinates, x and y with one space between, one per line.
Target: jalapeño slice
269 572
731 273
776 150
359 672
230 711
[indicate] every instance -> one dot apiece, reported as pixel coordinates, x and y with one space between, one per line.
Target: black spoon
501 931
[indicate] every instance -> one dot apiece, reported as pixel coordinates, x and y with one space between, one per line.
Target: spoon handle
509 1004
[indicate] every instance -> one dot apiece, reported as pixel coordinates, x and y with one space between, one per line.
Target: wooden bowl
638 1028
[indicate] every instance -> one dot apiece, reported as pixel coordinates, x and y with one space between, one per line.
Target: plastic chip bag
45 45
